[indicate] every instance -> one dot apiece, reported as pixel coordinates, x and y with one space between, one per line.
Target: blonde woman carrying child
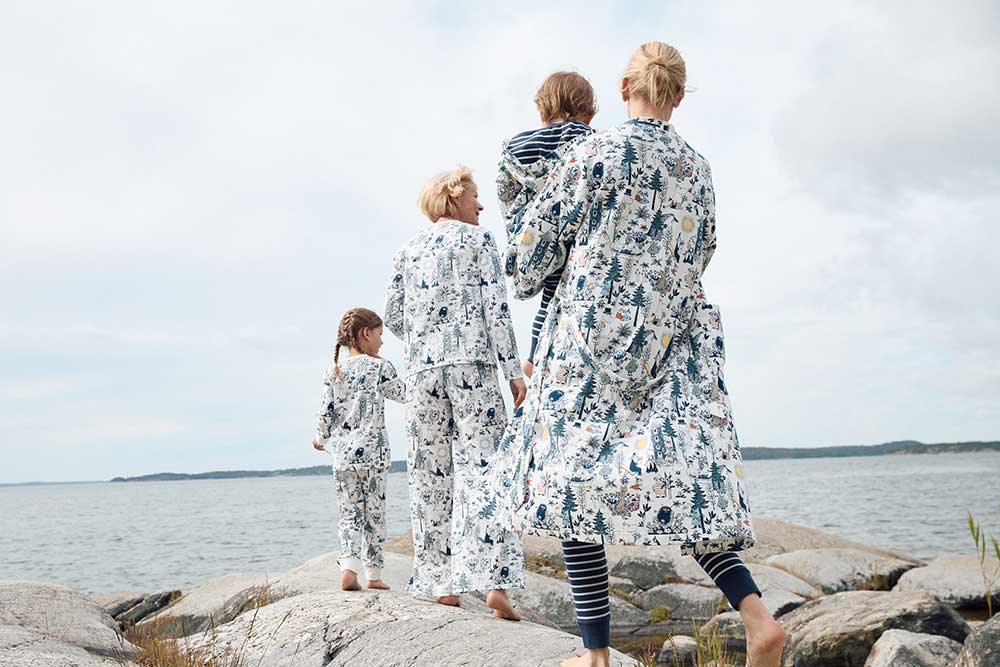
351 421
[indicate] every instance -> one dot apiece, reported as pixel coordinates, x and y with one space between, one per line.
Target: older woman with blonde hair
447 301
627 436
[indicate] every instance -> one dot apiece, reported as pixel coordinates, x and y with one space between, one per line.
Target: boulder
51 618
20 647
118 603
728 625
623 586
648 570
839 630
683 601
339 629
778 537
982 647
679 650
207 605
956 580
147 606
549 601
781 591
837 570
901 648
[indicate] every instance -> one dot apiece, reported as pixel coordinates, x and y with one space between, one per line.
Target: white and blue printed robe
626 435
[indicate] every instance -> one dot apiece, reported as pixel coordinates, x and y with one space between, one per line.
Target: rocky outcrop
648 570
49 624
679 651
210 604
901 648
777 537
130 608
781 591
839 630
683 601
953 579
836 570
982 647
549 601
338 629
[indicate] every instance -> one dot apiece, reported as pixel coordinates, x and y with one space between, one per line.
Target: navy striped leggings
587 569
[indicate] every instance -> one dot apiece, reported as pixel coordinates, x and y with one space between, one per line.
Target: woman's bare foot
765 638
378 584
349 581
498 601
598 657
450 600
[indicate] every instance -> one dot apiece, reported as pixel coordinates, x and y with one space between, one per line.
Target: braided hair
351 325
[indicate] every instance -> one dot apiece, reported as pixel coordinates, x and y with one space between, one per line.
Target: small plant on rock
983 541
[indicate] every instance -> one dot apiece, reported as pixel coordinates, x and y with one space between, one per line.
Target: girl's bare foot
450 600
378 584
349 581
498 601
598 657
765 638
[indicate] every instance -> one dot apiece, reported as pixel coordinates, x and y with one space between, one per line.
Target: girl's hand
528 369
318 446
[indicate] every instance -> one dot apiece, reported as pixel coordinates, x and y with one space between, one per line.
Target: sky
192 194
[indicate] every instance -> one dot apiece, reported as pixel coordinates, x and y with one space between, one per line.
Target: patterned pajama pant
455 418
361 528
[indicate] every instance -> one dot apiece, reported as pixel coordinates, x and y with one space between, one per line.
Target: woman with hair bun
626 435
447 301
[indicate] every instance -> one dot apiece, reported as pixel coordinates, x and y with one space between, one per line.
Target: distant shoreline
904 447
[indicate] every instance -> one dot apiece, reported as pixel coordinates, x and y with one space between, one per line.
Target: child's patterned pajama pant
455 418
361 528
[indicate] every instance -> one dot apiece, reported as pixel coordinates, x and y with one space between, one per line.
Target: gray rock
551 599
118 603
338 629
20 647
147 606
953 579
777 537
781 591
207 605
647 570
982 647
729 627
59 615
836 570
839 630
901 648
623 585
683 601
679 650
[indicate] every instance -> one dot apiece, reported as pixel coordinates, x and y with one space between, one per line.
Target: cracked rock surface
340 629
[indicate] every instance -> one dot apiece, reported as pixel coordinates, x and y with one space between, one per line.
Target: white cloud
194 192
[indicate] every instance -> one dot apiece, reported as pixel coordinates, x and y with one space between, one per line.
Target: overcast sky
192 193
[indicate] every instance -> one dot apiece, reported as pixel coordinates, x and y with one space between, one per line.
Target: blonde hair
565 96
440 194
351 325
657 73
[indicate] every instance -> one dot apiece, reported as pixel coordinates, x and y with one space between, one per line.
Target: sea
148 536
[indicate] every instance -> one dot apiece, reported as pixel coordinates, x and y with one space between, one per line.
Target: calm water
152 535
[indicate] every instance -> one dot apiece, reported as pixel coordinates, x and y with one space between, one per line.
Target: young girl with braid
351 421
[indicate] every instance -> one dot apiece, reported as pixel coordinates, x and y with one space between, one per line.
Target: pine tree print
559 429
569 506
600 525
698 503
610 417
656 185
589 320
586 391
657 226
639 301
629 158
614 274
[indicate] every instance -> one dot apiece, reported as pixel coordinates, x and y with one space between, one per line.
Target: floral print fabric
361 519
626 435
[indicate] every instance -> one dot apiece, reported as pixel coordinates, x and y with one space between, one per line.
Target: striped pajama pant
587 570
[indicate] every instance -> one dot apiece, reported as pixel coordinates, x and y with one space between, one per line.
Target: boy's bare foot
498 601
765 638
598 657
450 600
349 581
378 584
